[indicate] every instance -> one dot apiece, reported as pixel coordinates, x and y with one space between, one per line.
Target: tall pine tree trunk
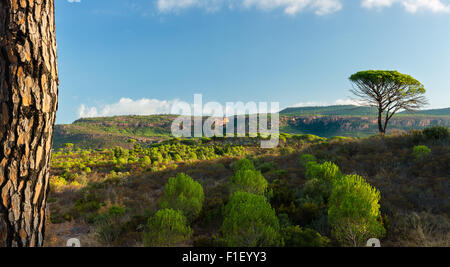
28 103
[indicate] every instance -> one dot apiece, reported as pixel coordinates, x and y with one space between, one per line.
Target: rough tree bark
28 103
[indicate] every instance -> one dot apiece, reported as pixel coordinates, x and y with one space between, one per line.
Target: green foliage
120 152
338 110
108 225
306 158
389 91
68 146
313 138
146 160
327 171
354 211
250 221
282 194
316 191
287 150
57 181
244 164
167 228
384 77
248 181
421 152
184 194
295 236
436 133
267 167
297 200
86 206
339 138
317 188
283 220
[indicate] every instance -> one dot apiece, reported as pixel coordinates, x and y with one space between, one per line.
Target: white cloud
74 1
291 7
412 6
127 106
310 104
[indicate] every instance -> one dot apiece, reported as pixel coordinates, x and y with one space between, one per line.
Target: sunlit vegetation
167 227
71 166
354 211
308 192
183 194
250 221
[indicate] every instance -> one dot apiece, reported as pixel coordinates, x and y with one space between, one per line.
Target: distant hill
341 110
113 131
323 121
353 110
430 112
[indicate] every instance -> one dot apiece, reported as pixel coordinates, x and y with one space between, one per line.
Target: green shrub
295 236
283 220
267 167
108 225
306 158
243 164
184 194
286 150
282 193
317 188
146 160
421 152
167 228
189 142
84 206
354 211
436 132
248 181
250 221
313 138
415 136
316 191
327 171
57 181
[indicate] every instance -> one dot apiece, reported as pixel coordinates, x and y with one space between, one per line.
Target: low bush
306 158
167 228
248 181
295 236
421 152
436 132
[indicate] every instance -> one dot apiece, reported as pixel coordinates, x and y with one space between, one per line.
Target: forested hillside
352 121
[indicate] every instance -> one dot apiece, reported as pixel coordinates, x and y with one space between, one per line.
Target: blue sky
138 56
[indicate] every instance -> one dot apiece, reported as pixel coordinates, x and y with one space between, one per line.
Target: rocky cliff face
328 126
